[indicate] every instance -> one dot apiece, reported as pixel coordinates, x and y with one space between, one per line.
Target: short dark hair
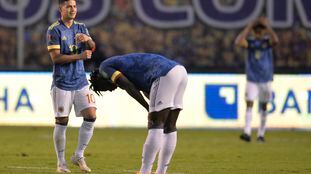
259 27
60 2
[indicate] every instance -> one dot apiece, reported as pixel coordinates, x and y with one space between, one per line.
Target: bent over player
69 43
163 81
259 71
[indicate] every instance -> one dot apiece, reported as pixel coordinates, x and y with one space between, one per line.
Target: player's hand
87 54
251 24
264 21
80 37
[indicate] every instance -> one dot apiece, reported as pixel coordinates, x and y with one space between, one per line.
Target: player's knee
170 126
155 124
90 119
169 129
89 114
263 106
156 120
61 121
249 104
170 123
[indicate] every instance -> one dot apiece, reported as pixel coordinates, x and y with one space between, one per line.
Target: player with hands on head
259 39
69 43
163 81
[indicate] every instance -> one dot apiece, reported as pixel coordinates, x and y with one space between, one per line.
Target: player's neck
67 22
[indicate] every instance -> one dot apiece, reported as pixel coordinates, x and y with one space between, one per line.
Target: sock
85 135
248 120
151 148
262 126
59 137
166 152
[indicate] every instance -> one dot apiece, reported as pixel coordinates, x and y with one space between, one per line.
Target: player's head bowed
100 83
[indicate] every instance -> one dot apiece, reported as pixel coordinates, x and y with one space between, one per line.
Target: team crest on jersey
64 38
61 109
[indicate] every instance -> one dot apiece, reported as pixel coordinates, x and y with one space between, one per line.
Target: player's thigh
265 92
251 91
183 80
163 91
62 101
85 103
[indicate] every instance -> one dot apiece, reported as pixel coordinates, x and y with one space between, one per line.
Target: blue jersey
140 68
68 76
259 63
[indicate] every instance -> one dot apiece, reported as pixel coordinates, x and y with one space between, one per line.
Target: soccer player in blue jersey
69 43
163 81
259 39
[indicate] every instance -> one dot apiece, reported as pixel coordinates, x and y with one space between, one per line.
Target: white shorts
63 101
262 91
168 91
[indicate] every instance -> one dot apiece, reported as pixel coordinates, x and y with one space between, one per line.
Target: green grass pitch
30 150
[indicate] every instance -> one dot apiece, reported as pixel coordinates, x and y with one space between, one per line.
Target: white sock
262 126
85 135
151 148
59 137
166 152
248 121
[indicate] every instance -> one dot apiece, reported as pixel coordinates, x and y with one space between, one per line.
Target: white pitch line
29 167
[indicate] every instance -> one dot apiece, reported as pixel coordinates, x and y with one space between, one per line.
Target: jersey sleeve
243 43
115 76
53 40
247 42
110 71
85 30
269 42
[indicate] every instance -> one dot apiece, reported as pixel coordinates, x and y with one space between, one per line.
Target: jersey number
90 98
258 54
73 49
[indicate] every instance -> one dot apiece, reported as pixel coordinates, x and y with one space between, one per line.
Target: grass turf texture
30 150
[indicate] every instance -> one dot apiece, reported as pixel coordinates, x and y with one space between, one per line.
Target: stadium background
196 33
199 34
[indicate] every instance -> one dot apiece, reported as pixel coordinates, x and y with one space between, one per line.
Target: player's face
259 32
68 10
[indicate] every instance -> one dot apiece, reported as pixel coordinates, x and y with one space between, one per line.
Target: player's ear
60 7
